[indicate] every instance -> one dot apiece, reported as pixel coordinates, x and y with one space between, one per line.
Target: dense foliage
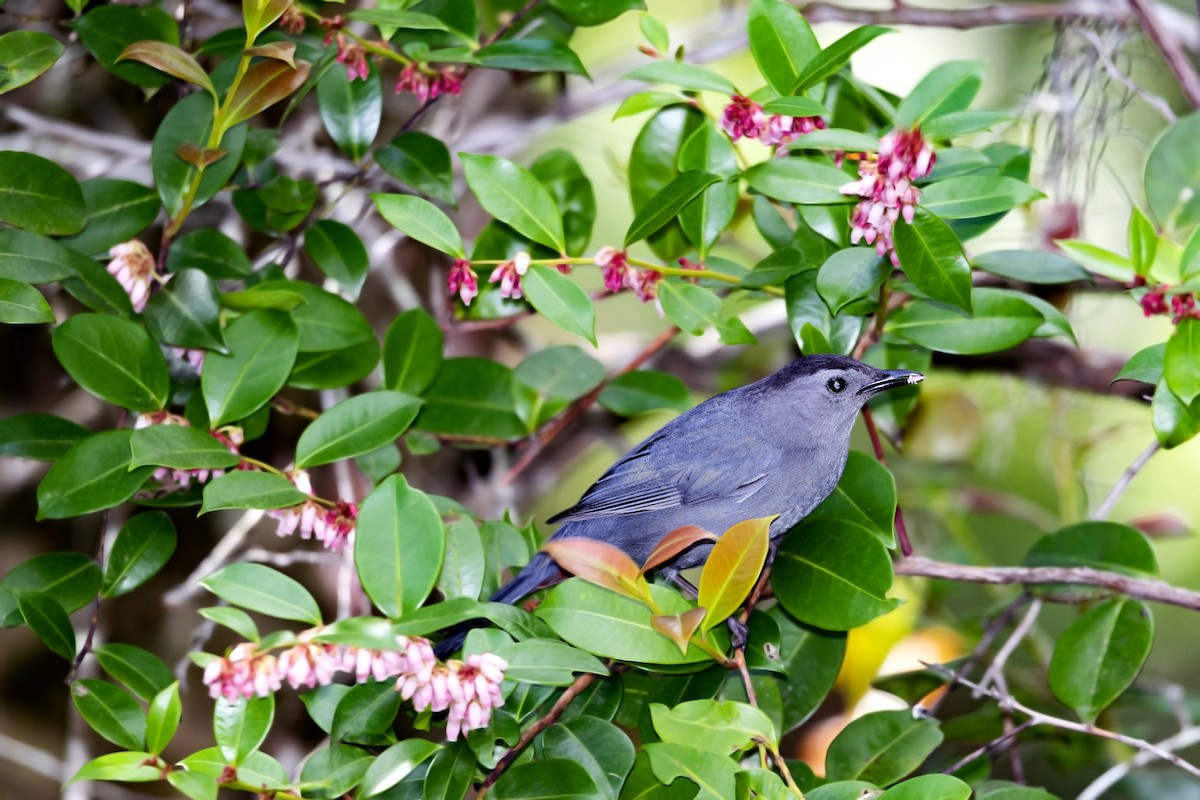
855 211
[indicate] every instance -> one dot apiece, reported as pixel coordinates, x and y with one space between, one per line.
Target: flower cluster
463 281
331 526
426 86
1180 306
133 267
292 20
509 275
886 185
744 118
618 275
230 436
467 690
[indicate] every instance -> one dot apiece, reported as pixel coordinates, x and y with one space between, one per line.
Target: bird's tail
541 571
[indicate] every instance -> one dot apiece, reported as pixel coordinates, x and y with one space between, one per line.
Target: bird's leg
681 583
739 634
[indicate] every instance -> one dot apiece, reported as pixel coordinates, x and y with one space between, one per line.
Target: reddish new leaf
169 59
280 51
265 84
679 627
199 156
675 543
601 564
732 568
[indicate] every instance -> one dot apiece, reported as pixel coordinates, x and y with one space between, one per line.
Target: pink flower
427 86
353 56
509 275
332 527
886 185
463 281
309 665
133 267
1153 302
644 283
468 690
614 267
743 117
1183 306
243 673
783 130
292 20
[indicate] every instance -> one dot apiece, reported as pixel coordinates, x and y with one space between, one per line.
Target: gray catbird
777 446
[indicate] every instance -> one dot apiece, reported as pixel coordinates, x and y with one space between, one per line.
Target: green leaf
633 393
39 436
1146 365
170 59
187 312
732 569
865 497
1172 177
560 300
555 778
667 203
211 252
961 123
948 88
189 122
587 13
850 274
258 773
250 489
398 546
240 727
471 397
929 787
513 195
179 447
334 770
196 785
143 672
366 710
107 30
31 258
117 211
833 576
162 719
130 767
1098 260
92 476
547 662
721 727
613 626
235 619
1031 266
141 549
412 352
1000 321
781 42
640 102
550 379
805 107
598 746
21 304
572 192
1174 422
47 619
450 773
531 55
811 659
394 764
1181 361
72 579
1097 544
110 712
693 308
26 55
655 31
797 180
654 162
259 588
932 258
114 359
972 196
338 252
262 347
881 747
392 20
351 109
831 59
714 776
1143 242
421 162
355 426
335 369
324 320
686 76
1098 657
421 220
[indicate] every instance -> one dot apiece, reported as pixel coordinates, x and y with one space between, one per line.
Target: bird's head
833 388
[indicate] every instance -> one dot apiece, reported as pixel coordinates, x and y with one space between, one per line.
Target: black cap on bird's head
828 383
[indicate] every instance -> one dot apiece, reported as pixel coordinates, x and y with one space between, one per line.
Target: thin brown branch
1171 48
529 734
1138 588
1123 482
967 18
994 676
990 632
1006 739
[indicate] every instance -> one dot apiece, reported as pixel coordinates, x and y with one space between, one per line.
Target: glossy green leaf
162 718
262 347
865 497
421 162
129 767
721 727
1098 260
513 195
366 710
179 447
421 220
832 575
471 397
594 12
338 252
1146 365
600 747
113 359
72 579
141 549
334 771
26 55
881 747
1031 266
240 727
685 76
92 476
694 308
548 778
932 258
572 193
264 84
531 55
31 258
335 369
832 58
811 659
398 546
1096 544
464 563
548 380
250 489
633 393
560 300
47 619
1000 321
107 30
392 765
1171 182
816 330
641 102
850 274
209 251
324 320
961 123
21 304
117 210
259 772
667 203
141 671
547 662
196 785
714 776
355 426
973 196
949 87
412 352
189 122
835 139
38 436
802 107
1181 361
168 58
110 712
1098 657
1174 422
260 588
797 180
187 312
235 619
929 787
781 42
654 162
450 773
351 109
391 20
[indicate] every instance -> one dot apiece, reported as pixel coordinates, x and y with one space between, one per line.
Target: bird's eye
837 385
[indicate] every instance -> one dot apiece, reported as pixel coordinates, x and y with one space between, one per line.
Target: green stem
265 467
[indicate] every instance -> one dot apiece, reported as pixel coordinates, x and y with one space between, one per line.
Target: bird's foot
739 634
672 575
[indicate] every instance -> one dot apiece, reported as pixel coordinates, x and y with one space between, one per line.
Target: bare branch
1123 482
1172 51
1109 778
994 676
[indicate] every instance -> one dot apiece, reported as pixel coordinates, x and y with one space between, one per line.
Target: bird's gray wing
675 468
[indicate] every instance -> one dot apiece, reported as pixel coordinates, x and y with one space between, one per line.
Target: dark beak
890 379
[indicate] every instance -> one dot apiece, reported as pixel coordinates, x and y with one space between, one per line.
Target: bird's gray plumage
775 447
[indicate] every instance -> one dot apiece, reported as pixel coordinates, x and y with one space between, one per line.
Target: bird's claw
738 633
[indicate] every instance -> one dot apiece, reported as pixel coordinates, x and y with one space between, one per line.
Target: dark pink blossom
743 118
292 20
426 85
644 283
509 275
886 185
353 56
782 130
463 281
614 268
